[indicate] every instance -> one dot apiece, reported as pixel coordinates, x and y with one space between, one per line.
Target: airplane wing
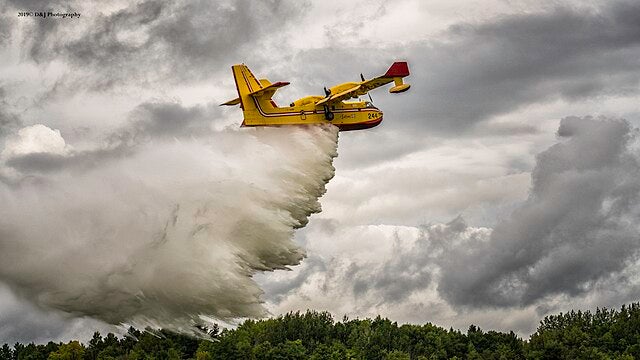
344 95
369 85
395 74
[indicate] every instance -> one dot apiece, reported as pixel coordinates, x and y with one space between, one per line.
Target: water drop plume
164 232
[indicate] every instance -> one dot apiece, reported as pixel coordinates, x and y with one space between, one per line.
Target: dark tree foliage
605 334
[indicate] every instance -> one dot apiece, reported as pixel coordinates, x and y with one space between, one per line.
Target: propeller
327 92
363 80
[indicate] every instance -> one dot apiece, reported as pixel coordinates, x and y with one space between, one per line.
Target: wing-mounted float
259 109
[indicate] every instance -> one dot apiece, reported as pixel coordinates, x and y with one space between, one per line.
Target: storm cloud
574 239
578 226
150 41
474 71
148 122
488 69
8 120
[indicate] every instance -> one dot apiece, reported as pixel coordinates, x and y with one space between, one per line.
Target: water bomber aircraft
259 109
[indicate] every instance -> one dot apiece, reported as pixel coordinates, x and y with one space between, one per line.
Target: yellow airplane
254 98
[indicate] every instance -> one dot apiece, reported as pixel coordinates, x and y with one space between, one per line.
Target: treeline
605 334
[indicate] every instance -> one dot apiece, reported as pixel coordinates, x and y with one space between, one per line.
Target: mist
163 232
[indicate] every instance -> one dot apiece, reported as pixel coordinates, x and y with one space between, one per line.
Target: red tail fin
398 69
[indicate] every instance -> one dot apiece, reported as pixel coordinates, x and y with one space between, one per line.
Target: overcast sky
502 187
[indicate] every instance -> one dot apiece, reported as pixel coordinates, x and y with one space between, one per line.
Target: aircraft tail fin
248 90
246 83
243 85
397 71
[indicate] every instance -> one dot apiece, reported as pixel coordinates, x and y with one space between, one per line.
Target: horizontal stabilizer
235 101
269 88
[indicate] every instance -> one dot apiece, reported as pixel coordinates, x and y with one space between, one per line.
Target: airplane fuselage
346 115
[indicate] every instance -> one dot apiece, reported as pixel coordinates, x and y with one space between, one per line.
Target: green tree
71 351
289 350
6 352
397 355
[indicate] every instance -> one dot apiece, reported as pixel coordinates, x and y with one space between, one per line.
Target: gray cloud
404 273
368 269
476 71
35 164
356 155
8 123
147 122
494 68
156 40
578 226
407 268
36 5
19 318
276 290
575 237
6 28
38 162
39 35
165 120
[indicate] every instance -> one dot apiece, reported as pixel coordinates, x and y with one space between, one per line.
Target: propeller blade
362 78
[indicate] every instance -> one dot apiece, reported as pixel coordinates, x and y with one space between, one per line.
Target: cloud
5 31
475 71
153 41
38 149
8 121
370 270
35 139
577 227
35 146
447 177
396 278
572 242
18 319
518 60
166 119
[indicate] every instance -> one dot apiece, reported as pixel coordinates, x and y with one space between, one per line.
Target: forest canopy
603 334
